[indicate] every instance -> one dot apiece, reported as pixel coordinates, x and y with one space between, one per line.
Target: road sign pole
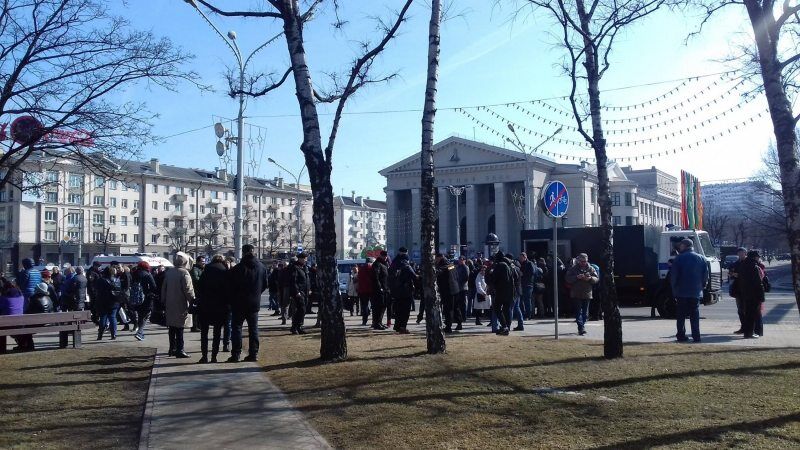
555 273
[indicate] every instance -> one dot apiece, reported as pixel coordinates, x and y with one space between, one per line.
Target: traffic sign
556 199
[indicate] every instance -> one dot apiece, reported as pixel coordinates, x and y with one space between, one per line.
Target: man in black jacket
248 280
380 275
501 278
402 280
298 291
212 305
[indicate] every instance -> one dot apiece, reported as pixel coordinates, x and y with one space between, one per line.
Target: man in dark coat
447 282
212 305
501 279
298 291
274 296
402 282
751 291
248 281
380 276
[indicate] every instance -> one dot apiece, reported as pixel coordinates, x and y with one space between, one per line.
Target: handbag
766 283
123 317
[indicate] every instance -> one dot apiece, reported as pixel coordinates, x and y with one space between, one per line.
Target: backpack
137 294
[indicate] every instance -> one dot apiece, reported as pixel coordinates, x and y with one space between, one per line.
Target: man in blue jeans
581 277
688 277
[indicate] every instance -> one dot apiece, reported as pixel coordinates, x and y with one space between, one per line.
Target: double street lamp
456 191
297 197
230 40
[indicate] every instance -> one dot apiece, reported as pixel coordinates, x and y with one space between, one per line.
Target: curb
147 415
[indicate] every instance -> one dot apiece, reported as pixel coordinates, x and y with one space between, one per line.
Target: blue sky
486 59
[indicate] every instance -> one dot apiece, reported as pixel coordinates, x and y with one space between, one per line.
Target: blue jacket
689 275
27 281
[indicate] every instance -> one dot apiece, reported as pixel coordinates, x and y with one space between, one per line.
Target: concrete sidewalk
210 406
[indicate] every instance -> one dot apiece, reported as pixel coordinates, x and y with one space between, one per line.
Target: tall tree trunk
433 316
612 336
783 123
333 346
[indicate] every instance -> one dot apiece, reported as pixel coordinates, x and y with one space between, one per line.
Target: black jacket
108 293
76 293
148 283
214 287
272 279
39 304
298 280
501 279
749 283
380 274
248 280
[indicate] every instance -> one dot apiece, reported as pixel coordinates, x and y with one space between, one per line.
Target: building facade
736 199
360 225
502 189
147 207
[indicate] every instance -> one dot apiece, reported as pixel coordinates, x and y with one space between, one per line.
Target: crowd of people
222 295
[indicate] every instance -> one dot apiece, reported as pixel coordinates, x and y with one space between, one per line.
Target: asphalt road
780 307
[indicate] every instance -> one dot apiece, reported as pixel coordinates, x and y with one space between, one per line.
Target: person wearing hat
298 293
751 291
733 289
380 295
40 302
177 293
501 281
249 281
689 277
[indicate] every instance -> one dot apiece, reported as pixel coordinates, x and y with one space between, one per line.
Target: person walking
483 301
689 276
213 305
460 300
108 298
272 288
365 289
447 284
248 280
352 291
516 309
177 293
501 280
285 282
582 277
733 288
380 281
298 292
402 281
143 292
751 291
529 277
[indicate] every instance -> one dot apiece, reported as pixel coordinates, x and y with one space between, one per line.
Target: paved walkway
211 406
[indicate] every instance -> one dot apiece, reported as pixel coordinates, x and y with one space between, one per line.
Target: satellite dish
219 130
220 148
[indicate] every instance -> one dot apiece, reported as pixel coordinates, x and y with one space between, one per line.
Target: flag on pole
691 202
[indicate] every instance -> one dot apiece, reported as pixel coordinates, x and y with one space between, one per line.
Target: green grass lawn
528 392
74 398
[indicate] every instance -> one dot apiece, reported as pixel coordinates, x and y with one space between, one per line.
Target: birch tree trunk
433 317
333 346
783 123
612 338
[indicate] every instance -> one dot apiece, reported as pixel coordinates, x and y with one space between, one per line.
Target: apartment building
360 225
64 213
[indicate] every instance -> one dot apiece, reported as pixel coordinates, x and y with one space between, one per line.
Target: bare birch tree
318 155
774 65
587 31
62 62
433 316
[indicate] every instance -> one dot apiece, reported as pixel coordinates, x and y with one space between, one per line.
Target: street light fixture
297 195
528 181
243 62
457 191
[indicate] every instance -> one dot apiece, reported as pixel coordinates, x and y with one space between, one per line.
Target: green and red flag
691 202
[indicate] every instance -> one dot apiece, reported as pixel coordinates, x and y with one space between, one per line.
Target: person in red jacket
365 289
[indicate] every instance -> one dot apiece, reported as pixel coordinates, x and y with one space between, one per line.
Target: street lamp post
230 40
297 195
528 180
457 191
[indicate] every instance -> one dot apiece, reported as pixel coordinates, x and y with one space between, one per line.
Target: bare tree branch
221 12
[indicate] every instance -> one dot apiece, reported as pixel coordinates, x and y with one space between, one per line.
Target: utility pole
457 191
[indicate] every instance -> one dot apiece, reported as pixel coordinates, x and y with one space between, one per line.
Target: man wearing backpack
402 279
501 279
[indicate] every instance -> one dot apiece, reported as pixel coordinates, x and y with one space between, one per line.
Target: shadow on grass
97 361
707 434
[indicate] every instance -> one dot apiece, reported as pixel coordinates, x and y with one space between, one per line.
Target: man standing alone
581 278
689 276
248 281
298 291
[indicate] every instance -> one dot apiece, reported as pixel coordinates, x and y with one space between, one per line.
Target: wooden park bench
66 323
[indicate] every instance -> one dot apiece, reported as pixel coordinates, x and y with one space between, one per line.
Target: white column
444 220
501 214
473 221
392 221
416 221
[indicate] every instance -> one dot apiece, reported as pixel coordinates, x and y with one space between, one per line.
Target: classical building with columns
502 187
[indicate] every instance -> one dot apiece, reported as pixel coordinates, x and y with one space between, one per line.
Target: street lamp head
191 3
232 35
511 127
558 130
271 160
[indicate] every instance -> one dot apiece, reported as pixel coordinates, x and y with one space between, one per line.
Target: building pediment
458 152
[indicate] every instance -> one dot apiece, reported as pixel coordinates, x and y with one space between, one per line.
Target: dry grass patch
527 392
74 398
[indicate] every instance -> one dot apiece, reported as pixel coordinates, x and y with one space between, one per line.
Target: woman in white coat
177 293
483 301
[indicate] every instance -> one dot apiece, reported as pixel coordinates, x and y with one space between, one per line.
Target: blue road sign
556 199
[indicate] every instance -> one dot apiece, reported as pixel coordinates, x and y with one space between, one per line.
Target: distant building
501 183
148 207
735 200
360 225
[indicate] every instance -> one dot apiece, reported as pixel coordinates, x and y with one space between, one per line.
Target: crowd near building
67 214
502 188
360 225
